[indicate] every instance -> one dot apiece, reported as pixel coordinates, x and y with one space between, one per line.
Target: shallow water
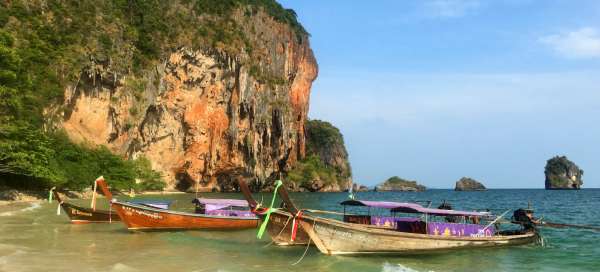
34 238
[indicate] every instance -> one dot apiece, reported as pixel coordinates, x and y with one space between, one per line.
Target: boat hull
334 237
280 229
81 215
138 217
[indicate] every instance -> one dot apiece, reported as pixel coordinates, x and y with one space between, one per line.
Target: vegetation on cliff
34 160
396 183
326 162
561 173
45 46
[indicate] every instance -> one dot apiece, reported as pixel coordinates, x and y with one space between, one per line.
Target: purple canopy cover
217 204
410 208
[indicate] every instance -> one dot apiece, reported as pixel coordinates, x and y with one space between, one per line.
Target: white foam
388 267
34 205
119 267
6 261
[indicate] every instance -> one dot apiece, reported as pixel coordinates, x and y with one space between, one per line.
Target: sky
434 90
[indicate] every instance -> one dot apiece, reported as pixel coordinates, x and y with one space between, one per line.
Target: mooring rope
306 249
279 234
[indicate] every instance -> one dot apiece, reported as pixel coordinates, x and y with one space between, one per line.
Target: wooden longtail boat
83 215
216 214
358 234
281 223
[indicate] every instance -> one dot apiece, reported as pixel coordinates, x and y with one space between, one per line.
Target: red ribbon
295 225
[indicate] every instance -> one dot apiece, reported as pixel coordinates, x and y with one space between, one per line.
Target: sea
34 238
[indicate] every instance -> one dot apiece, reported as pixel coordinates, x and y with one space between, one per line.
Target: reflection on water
34 238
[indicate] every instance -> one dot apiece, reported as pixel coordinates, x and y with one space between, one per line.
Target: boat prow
83 215
281 223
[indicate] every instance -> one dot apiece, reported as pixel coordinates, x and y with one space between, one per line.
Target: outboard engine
525 218
445 206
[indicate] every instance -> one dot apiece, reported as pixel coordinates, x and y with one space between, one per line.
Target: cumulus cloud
580 43
450 8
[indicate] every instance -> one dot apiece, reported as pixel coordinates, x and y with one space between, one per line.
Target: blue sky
436 90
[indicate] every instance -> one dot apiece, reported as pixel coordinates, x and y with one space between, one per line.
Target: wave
8 253
34 205
388 267
119 267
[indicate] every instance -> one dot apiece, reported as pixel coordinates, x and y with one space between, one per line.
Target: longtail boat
210 214
83 215
373 234
281 226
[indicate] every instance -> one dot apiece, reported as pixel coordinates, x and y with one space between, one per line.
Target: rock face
561 173
16 195
398 184
202 115
468 184
359 188
326 167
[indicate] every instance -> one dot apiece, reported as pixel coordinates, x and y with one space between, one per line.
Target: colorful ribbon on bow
50 195
295 225
263 226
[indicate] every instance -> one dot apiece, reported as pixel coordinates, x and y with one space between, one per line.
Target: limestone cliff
326 167
205 111
561 173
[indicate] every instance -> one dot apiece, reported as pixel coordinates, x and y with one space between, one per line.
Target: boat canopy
217 204
411 208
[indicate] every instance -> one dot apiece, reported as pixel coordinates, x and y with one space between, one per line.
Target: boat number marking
152 215
76 212
334 231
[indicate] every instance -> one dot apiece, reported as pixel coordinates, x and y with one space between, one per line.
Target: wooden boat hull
138 217
280 229
81 215
334 237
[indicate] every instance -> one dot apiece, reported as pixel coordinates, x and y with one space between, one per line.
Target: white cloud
581 43
450 8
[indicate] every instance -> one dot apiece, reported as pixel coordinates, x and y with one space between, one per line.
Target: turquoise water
34 238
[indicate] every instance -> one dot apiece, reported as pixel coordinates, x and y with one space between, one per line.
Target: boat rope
263 226
306 249
303 254
280 232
